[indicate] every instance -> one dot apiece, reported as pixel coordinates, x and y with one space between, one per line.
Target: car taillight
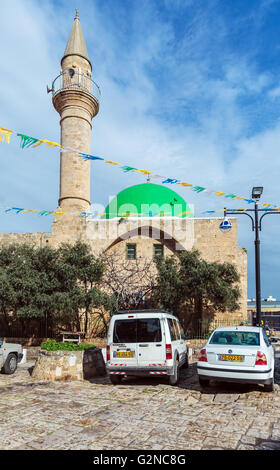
108 353
202 356
261 359
168 351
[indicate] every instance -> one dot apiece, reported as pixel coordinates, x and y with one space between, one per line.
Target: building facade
129 226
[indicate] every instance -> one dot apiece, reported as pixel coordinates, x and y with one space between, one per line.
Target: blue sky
190 89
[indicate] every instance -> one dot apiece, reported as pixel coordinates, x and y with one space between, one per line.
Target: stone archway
150 232
133 278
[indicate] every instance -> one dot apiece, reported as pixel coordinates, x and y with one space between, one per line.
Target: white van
145 342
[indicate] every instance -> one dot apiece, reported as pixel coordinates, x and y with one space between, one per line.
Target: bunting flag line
94 215
28 141
87 215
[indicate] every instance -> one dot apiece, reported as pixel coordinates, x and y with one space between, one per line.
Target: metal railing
75 81
18 327
202 329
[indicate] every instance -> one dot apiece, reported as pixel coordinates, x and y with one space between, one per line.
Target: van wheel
186 363
115 379
10 365
174 379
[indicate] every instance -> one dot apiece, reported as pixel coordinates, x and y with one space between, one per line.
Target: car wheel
203 382
115 379
269 387
174 379
10 365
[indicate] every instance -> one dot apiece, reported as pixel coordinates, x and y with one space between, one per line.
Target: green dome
147 200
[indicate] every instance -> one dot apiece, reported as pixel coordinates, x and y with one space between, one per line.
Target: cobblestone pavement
138 414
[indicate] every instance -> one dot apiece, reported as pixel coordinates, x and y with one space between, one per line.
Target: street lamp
257 192
256 227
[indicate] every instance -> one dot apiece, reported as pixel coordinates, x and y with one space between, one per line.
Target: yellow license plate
125 354
228 357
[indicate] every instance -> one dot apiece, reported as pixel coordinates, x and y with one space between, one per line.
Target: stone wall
69 365
59 365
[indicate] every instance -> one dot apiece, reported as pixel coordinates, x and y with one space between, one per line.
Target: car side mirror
186 335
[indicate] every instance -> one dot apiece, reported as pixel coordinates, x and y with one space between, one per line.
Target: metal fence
202 329
18 327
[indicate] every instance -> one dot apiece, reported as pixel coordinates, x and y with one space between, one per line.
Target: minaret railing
75 81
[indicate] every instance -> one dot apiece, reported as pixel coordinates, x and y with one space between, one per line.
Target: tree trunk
198 308
86 322
198 312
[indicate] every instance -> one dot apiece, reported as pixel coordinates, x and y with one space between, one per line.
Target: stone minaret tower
76 99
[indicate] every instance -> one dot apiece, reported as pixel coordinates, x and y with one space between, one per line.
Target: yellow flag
48 142
144 172
5 134
59 212
185 212
112 163
51 144
184 184
28 210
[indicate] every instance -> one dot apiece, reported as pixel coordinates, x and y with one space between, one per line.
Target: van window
172 329
181 330
142 330
148 330
125 331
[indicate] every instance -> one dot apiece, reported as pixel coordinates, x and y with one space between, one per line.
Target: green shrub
53 345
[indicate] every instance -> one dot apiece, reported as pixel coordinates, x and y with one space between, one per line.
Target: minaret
76 99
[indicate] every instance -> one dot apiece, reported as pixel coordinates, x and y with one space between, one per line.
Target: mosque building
142 221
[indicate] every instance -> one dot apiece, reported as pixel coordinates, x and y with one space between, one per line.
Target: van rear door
151 341
124 348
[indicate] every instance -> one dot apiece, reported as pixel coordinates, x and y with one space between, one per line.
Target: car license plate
229 357
125 354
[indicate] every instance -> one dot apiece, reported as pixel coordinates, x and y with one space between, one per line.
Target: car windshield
243 338
144 330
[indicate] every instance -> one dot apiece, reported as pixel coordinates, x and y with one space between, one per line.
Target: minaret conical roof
76 44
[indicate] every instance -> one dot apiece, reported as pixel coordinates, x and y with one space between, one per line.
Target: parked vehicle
145 343
237 354
10 355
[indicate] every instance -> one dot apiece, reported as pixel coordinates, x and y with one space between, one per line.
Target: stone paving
138 414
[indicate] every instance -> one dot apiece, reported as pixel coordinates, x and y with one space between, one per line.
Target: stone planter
69 365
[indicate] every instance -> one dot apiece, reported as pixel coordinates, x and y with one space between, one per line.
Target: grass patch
53 345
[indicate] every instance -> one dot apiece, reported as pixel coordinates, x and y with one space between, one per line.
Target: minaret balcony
75 81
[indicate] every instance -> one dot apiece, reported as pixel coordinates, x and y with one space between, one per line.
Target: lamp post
256 227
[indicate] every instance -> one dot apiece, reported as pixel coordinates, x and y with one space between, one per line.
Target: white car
237 354
145 343
10 355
